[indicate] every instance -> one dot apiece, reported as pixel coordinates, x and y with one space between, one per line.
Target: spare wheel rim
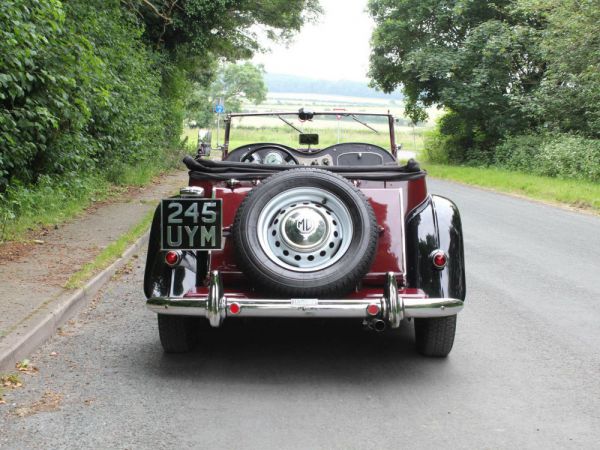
305 229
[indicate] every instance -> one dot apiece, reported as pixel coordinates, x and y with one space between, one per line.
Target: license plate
304 302
191 224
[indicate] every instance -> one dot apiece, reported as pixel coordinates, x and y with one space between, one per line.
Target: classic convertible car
289 231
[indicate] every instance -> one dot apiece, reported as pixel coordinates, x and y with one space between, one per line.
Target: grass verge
576 193
110 254
51 201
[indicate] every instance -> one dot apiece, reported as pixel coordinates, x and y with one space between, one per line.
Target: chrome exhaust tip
379 325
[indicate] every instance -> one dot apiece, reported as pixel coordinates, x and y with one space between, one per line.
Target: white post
218 122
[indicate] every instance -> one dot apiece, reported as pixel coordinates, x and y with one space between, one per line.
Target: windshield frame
228 117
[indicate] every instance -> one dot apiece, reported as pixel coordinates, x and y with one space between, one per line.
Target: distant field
271 129
278 101
290 98
327 136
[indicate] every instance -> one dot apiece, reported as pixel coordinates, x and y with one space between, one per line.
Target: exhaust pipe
379 325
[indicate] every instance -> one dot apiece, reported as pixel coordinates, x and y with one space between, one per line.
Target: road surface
524 372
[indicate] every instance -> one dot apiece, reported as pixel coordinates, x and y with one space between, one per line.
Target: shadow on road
296 351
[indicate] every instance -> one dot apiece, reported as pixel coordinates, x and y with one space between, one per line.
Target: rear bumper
391 305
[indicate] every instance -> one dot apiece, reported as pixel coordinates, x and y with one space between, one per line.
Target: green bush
555 155
84 102
541 153
455 140
520 152
570 157
79 90
435 147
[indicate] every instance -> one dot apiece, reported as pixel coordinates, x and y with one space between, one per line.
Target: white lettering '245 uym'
208 235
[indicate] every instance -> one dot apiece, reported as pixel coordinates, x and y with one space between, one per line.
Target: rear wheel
435 336
178 334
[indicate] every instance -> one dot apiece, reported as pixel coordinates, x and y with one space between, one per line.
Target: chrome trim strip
394 307
191 191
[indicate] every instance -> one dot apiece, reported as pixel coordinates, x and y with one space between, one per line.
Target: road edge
37 330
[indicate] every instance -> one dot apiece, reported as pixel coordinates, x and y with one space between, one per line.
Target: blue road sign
219 108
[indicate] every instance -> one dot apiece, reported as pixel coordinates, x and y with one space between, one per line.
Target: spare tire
305 233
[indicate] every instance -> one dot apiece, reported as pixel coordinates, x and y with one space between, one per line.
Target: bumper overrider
391 306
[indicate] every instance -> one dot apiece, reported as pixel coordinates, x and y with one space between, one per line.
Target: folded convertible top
206 169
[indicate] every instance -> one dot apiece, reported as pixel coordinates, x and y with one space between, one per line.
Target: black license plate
191 224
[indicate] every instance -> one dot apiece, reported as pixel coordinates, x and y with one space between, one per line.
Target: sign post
219 109
339 118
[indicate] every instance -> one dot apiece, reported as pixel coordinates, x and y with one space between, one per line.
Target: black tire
178 334
435 336
335 280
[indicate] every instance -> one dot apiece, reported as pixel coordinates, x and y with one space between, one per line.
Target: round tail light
373 309
439 259
172 258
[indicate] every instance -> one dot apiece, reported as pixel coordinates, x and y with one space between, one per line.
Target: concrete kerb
42 325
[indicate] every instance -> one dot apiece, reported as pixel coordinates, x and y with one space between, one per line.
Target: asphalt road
524 372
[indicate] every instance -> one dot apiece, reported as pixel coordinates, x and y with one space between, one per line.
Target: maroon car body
416 270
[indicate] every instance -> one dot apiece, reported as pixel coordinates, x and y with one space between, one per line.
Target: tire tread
435 336
177 333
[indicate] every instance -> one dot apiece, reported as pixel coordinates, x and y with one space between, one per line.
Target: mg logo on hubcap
304 228
305 225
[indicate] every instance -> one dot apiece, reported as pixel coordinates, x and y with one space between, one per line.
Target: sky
334 48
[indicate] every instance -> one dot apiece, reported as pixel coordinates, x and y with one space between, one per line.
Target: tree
233 83
568 98
238 81
193 35
470 56
91 86
227 28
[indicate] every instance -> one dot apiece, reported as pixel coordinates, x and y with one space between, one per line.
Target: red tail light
373 309
234 308
439 259
172 258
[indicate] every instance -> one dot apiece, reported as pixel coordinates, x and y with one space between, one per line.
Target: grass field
327 136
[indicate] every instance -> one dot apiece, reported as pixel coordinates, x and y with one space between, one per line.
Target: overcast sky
335 48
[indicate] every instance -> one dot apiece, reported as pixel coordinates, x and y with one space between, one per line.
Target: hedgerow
79 90
552 154
93 92
82 104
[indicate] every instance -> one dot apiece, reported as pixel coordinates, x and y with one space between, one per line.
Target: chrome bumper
391 306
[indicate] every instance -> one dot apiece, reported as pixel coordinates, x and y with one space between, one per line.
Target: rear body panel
391 202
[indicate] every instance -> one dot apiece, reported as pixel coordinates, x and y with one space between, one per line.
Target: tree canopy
233 83
470 56
95 84
225 28
499 68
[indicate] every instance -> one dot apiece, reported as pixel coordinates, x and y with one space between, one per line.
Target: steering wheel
248 157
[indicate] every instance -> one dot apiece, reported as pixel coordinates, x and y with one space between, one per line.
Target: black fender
435 224
161 280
